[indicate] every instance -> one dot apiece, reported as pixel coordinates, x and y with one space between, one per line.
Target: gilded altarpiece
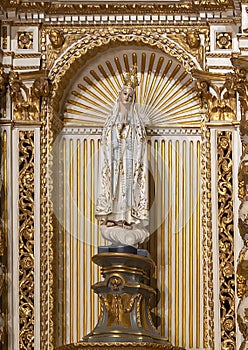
194 150
185 149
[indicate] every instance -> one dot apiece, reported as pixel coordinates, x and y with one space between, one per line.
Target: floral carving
26 100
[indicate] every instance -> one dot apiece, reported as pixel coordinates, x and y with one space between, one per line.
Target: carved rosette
26 239
226 240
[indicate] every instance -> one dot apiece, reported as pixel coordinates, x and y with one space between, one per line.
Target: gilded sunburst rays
165 93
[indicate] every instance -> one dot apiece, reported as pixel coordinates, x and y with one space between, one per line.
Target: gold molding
54 7
119 346
219 55
26 55
46 256
27 68
208 302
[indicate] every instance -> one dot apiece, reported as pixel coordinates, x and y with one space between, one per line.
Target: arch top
87 77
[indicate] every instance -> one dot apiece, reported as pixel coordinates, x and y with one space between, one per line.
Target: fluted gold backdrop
175 226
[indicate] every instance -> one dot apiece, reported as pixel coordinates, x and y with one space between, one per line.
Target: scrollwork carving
118 307
220 102
26 101
242 89
242 275
3 91
191 41
47 323
26 239
243 178
242 319
172 7
226 240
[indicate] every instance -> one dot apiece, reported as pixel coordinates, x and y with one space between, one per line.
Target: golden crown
131 78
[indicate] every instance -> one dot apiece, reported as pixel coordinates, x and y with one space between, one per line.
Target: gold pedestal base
120 346
125 295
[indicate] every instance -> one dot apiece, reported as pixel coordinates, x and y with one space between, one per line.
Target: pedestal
125 296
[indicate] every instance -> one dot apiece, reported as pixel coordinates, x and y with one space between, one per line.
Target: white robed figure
122 203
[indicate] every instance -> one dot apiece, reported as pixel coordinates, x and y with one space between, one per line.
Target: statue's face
56 39
126 95
193 40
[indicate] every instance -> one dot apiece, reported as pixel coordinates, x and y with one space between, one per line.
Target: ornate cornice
73 7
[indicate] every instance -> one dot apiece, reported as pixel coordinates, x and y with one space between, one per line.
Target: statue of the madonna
122 203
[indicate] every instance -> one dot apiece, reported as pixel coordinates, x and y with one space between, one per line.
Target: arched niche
86 82
81 53
165 94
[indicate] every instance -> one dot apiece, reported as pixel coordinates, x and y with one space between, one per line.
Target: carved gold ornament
26 100
226 240
26 239
220 102
224 41
95 40
191 41
119 307
3 89
25 40
186 6
241 65
119 346
208 300
22 112
5 38
46 258
56 38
